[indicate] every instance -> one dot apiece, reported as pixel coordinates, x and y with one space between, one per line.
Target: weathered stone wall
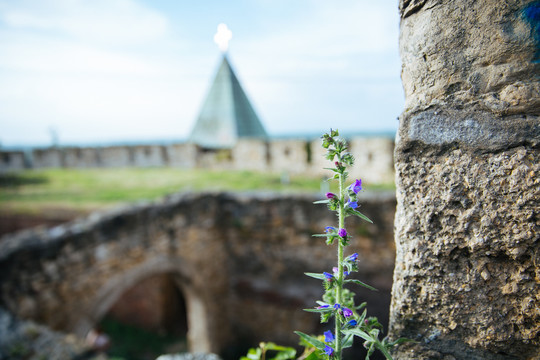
466 284
291 156
148 156
182 155
47 158
373 159
239 261
115 156
80 157
12 161
250 154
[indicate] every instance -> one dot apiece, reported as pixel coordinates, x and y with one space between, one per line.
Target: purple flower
330 195
328 336
356 186
342 233
353 257
347 312
328 350
352 204
352 323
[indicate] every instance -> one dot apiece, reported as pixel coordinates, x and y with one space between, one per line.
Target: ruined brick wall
466 284
238 259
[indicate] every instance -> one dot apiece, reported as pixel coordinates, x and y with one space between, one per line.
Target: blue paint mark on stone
532 15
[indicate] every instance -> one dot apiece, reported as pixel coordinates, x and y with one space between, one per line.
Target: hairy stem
339 288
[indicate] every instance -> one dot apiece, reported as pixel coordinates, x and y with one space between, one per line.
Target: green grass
132 343
33 191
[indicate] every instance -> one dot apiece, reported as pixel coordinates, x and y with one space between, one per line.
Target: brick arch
198 333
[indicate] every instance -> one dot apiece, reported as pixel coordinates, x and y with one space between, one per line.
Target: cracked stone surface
466 283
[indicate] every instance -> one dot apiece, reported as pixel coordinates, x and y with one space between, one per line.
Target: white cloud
99 21
328 38
36 53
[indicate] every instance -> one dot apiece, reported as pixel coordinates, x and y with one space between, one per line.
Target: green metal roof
226 114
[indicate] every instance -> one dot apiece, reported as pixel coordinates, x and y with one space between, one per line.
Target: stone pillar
467 276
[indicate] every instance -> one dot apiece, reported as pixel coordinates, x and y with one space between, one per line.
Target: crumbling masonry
467 280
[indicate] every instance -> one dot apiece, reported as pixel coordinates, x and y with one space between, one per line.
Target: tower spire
227 113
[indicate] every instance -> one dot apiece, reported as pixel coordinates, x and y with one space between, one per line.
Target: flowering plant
338 302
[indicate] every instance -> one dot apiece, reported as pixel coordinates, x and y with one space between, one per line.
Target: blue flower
342 233
347 312
352 204
353 257
356 186
328 350
324 306
352 323
328 276
328 336
329 229
337 306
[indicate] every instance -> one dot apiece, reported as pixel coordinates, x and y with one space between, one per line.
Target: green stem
339 288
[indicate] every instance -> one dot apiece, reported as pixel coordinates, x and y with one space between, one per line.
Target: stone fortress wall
374 157
238 261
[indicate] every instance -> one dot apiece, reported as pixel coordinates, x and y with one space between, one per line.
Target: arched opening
147 319
193 318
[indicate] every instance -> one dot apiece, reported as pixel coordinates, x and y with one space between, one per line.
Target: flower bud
330 195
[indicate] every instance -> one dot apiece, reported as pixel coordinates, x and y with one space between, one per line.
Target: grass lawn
35 192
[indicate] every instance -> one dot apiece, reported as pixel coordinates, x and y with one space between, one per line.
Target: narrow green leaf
347 341
284 352
358 282
322 201
361 306
331 169
364 335
320 235
384 350
316 276
318 310
399 341
312 340
363 316
313 356
360 215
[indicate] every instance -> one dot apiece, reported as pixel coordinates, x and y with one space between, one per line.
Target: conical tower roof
226 114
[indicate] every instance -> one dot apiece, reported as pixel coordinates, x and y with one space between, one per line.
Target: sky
110 71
